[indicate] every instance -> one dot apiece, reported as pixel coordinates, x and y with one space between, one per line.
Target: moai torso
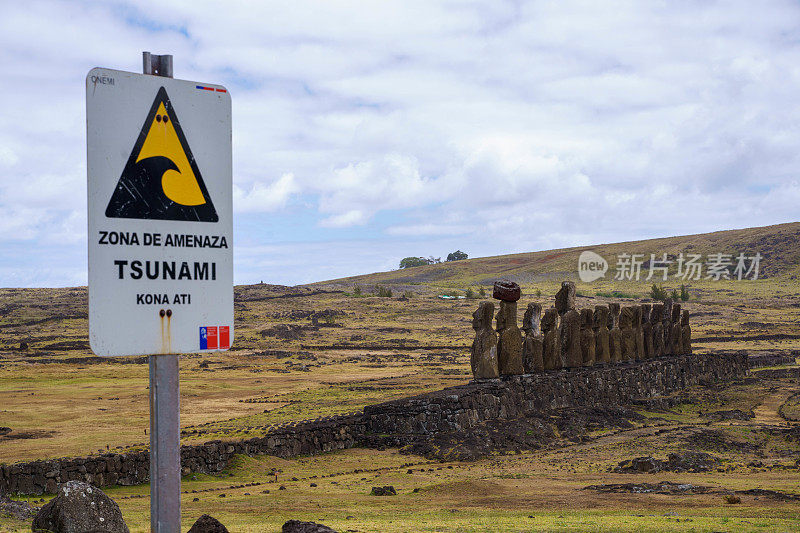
602 348
676 345
666 319
637 332
686 334
571 339
628 337
533 344
552 345
647 332
509 341
614 333
483 356
588 346
658 329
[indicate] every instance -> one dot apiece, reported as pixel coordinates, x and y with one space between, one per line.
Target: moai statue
570 335
666 319
509 341
647 332
602 348
658 329
614 333
565 297
686 334
676 344
484 348
588 346
628 338
533 345
552 344
637 332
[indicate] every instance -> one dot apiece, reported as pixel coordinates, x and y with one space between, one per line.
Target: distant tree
482 292
409 262
657 292
684 293
458 255
470 294
674 295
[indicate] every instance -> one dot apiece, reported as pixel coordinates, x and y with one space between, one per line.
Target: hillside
778 245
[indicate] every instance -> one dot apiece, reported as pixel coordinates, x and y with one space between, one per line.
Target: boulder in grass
383 491
80 508
207 524
297 526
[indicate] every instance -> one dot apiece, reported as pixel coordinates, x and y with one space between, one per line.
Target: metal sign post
165 404
160 227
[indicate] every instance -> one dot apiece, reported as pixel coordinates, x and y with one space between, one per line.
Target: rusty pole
165 446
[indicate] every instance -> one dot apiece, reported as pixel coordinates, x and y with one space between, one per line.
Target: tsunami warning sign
159 214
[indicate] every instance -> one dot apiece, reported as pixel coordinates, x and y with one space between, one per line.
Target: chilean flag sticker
203 338
213 337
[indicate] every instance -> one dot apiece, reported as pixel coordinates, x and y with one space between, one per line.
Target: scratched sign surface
159 214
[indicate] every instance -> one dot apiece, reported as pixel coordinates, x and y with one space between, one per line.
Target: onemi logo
161 180
591 266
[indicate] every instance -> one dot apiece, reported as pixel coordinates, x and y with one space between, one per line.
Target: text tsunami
166 270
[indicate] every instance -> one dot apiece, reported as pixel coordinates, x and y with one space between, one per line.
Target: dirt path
767 411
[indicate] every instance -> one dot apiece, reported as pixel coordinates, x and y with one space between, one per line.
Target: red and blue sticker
212 89
215 337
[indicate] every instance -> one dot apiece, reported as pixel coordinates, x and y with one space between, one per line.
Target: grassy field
310 351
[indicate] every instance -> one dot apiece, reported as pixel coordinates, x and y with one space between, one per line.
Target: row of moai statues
565 337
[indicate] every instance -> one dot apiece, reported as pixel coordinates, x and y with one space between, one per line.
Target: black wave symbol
140 194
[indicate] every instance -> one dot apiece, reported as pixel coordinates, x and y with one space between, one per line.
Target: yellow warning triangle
161 179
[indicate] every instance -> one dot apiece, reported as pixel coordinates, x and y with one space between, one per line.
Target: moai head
626 317
685 318
666 314
506 316
565 297
656 312
646 308
587 318
600 316
482 317
676 313
531 320
550 320
613 315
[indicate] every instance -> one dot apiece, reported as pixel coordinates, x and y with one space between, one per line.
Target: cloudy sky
365 132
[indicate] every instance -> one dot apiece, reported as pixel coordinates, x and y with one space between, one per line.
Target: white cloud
264 198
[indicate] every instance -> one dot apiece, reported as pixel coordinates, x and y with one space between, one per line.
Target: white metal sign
160 214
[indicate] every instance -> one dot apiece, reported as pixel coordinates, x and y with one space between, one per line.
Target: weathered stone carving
588 346
533 345
676 344
570 333
509 340
658 329
614 333
637 332
565 297
686 334
666 319
602 347
628 337
552 342
483 357
647 331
